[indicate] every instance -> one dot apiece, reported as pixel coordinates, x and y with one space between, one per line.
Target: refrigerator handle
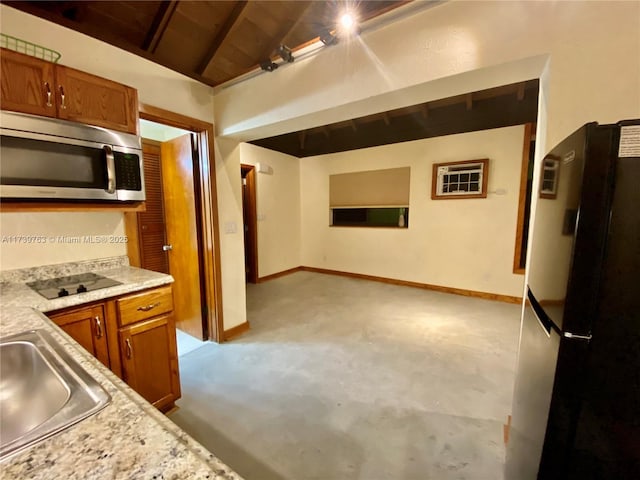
575 336
543 319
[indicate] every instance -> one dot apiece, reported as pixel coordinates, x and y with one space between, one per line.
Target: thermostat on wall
263 168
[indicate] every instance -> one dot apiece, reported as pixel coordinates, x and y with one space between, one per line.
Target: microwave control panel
128 167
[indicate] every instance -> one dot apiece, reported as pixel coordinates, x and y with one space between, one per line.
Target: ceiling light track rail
328 37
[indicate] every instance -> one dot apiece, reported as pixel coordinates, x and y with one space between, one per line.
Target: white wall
59 234
278 205
465 243
593 49
587 54
159 132
157 86
227 153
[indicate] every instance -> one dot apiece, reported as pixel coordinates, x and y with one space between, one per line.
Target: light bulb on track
347 24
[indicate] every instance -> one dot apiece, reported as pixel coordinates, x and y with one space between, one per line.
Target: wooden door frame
207 211
252 218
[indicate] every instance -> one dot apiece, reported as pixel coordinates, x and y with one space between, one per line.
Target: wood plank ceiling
218 41
211 41
504 106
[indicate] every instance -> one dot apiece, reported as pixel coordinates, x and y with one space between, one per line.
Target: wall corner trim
426 286
273 276
393 281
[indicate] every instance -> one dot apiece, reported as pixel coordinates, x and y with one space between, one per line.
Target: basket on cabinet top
28 48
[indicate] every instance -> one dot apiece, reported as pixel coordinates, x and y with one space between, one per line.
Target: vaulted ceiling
219 41
211 41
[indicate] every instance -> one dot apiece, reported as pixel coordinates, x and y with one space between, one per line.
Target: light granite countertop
15 293
129 439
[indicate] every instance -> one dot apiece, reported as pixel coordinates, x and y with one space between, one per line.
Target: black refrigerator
576 407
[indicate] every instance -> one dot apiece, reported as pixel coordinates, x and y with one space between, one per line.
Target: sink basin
42 390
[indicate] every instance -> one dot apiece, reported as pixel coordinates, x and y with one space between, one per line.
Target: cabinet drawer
141 306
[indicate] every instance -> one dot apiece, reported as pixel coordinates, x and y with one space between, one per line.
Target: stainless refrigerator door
534 385
556 217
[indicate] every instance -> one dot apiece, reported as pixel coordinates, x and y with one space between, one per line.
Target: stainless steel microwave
43 158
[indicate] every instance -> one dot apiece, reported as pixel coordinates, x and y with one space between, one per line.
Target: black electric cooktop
71 285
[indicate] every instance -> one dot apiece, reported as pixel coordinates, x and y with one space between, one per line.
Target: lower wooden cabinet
150 360
135 336
87 326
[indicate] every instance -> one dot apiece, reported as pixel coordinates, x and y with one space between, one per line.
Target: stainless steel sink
42 390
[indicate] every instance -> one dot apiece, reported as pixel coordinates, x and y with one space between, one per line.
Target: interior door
151 222
249 215
182 233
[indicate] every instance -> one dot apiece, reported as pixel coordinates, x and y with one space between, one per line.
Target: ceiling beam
521 92
469 100
159 25
354 127
425 110
233 20
103 34
387 120
325 131
75 11
302 135
295 11
496 112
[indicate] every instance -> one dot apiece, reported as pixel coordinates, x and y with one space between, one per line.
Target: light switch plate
230 227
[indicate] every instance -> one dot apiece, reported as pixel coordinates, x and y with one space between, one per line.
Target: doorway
249 220
178 232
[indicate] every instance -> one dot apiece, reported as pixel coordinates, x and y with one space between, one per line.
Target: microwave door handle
111 169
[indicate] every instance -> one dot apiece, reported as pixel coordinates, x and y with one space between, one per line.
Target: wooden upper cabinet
28 84
85 98
35 86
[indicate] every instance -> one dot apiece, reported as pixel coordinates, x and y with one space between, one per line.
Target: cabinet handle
46 85
62 105
149 307
98 327
129 348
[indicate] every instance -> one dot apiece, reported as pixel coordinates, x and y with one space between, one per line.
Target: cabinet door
27 84
150 360
87 327
85 98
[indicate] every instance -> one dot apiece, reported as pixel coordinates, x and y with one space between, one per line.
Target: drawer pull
149 307
129 348
98 327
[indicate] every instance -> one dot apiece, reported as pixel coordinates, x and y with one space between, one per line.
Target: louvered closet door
151 222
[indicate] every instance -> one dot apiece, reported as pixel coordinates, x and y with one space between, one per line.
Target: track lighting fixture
285 53
327 37
268 65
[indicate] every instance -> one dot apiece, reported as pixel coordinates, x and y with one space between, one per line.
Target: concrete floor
349 379
186 343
